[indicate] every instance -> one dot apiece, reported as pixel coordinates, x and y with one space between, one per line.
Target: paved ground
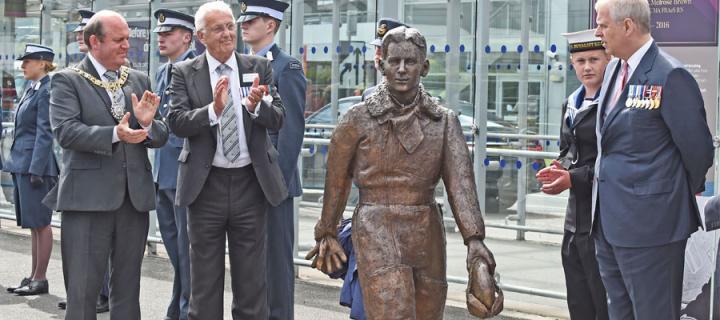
316 298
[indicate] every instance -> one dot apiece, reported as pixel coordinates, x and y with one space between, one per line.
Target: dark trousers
88 240
173 229
231 205
585 291
642 283
281 271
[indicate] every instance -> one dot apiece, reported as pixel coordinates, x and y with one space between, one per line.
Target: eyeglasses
218 29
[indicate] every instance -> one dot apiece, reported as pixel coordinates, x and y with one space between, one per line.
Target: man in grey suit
654 149
229 169
106 187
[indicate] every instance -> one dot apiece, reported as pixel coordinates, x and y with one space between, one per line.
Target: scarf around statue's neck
406 121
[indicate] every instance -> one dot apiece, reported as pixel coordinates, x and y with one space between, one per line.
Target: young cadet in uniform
259 22
85 16
32 164
384 25
175 35
574 171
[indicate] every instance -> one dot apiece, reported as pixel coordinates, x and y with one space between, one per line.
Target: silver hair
210 7
636 10
401 34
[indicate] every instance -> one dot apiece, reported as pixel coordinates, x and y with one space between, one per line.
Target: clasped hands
144 110
221 95
328 255
555 178
484 298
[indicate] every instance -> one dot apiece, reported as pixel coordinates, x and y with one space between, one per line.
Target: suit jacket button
124 165
207 166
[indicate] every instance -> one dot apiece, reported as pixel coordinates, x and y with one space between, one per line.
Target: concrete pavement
315 296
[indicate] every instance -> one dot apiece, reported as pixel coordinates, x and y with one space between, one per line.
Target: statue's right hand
220 95
327 256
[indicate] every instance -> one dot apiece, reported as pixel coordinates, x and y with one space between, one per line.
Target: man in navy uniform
175 35
384 25
259 21
654 150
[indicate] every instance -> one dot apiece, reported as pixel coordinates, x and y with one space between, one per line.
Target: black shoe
102 305
24 282
35 287
62 305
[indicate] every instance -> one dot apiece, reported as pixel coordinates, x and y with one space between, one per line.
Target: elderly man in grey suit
654 150
106 187
229 169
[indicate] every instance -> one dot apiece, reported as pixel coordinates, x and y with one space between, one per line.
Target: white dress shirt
633 63
101 72
219 160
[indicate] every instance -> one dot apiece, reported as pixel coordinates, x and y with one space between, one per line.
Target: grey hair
401 34
207 8
636 10
95 27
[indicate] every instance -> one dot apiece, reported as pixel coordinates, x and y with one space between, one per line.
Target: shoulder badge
382 29
295 65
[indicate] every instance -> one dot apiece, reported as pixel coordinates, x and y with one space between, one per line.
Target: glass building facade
501 64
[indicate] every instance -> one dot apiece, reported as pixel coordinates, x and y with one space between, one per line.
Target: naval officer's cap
583 41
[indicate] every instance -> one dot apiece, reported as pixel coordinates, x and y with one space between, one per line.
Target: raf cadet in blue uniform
32 164
260 21
175 34
384 25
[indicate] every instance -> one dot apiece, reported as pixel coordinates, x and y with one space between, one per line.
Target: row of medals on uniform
644 97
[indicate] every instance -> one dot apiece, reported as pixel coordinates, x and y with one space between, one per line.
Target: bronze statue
395 147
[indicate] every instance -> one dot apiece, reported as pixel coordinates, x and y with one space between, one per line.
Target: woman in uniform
32 164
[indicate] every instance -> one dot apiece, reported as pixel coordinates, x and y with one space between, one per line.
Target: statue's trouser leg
401 261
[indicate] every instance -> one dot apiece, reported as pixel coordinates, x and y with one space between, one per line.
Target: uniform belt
384 196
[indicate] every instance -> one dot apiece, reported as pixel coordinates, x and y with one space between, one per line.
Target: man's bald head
95 25
107 38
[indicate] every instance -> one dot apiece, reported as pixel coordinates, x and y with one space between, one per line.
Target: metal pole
335 65
482 32
452 79
452 58
713 278
522 113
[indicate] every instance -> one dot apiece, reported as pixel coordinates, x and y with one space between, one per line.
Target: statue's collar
383 107
407 120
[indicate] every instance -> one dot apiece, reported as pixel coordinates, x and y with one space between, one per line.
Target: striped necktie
228 122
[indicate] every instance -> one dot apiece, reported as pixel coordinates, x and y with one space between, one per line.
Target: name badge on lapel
248 78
